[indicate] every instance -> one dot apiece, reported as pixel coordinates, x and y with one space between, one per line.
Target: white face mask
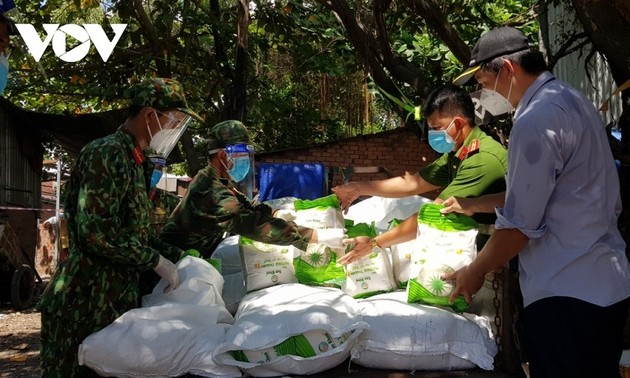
166 139
493 101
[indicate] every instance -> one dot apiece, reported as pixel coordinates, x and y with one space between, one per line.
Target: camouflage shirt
210 209
107 208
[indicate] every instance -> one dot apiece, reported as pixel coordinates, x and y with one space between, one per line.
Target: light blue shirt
563 194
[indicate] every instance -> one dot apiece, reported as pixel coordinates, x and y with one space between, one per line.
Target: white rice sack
199 283
160 341
228 252
266 265
233 291
370 275
382 210
411 336
291 329
324 212
446 243
284 203
401 261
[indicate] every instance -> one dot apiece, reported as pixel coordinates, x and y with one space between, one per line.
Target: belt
486 229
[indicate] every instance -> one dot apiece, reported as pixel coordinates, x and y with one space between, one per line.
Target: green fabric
481 172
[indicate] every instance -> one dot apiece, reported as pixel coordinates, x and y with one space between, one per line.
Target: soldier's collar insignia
138 155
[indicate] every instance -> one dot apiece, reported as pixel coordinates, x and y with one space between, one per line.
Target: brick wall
398 150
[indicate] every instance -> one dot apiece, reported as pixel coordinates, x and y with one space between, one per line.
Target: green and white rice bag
266 265
323 212
318 264
446 243
372 274
401 257
308 344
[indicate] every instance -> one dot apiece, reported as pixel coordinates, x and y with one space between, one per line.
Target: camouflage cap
162 93
227 132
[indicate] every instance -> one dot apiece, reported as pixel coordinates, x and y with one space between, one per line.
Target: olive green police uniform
476 169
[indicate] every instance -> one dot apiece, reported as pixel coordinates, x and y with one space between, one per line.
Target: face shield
172 124
240 166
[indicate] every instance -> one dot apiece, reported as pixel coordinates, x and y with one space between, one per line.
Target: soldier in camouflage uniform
212 206
107 208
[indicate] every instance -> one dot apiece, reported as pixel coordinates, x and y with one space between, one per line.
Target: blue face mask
240 168
4 72
155 177
441 141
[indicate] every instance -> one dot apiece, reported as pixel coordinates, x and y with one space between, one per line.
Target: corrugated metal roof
19 181
594 80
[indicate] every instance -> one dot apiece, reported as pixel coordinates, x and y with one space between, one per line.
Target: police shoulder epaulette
469 150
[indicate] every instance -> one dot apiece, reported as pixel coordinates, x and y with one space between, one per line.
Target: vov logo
56 34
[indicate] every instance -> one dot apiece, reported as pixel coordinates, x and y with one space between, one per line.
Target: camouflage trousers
60 339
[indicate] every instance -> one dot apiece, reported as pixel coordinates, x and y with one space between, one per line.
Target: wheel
22 287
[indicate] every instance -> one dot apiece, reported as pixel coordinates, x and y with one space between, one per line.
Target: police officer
472 164
213 206
107 207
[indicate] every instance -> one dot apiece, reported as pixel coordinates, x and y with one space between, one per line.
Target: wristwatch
374 243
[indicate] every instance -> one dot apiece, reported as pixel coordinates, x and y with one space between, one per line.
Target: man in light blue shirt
559 214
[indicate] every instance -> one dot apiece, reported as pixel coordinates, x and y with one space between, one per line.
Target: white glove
331 237
168 271
286 214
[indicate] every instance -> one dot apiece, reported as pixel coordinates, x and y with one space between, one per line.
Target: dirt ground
19 342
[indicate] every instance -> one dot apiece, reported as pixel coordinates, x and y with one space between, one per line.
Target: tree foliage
296 72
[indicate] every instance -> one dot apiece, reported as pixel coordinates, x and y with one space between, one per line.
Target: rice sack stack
318 264
291 329
173 333
446 243
401 257
373 273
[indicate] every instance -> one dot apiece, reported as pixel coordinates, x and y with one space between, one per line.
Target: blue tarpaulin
300 180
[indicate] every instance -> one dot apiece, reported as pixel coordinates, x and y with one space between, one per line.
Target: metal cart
19 281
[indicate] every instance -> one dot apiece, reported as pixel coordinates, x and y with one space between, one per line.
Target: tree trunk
238 101
602 19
